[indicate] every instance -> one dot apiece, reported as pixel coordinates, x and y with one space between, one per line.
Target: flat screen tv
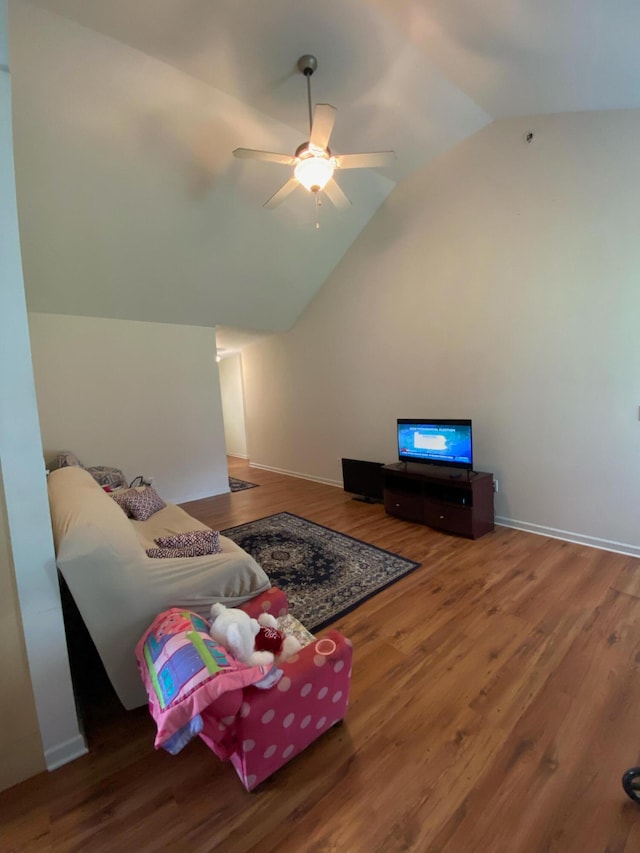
436 442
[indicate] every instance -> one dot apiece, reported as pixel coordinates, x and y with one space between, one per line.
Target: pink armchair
273 726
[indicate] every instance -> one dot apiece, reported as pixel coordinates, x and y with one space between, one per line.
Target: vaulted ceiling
181 83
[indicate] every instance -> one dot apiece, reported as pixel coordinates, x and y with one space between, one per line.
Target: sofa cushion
82 510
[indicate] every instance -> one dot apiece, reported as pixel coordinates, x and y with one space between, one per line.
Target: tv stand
428 494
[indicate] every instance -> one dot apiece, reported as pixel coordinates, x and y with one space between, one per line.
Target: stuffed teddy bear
254 641
236 631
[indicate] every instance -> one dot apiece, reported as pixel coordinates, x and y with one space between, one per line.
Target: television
436 442
363 479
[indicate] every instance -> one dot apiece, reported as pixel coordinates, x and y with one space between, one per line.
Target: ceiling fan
313 163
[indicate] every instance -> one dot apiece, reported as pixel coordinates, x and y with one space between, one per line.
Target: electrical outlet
496 485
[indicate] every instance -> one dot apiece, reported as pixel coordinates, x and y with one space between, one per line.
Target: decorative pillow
121 498
65 459
139 504
193 538
184 671
199 549
106 476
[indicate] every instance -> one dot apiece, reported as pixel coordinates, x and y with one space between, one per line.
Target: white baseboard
569 536
297 474
65 752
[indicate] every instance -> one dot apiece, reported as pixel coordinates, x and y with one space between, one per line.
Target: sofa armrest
273 601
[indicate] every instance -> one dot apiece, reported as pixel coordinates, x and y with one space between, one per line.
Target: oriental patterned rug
325 574
236 485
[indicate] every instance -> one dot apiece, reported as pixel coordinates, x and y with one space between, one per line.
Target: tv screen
438 442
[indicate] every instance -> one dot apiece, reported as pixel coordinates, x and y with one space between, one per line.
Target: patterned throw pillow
193 538
121 497
145 503
198 549
106 476
139 504
66 459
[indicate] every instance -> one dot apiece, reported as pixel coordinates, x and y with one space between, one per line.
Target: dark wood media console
461 503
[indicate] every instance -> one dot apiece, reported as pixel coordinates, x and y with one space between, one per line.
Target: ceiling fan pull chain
317 195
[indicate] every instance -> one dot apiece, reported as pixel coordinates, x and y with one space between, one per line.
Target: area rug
239 485
325 574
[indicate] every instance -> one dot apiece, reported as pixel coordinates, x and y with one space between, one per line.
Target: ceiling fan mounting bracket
307 64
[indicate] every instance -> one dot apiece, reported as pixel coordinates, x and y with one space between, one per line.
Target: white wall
232 390
500 284
143 397
31 626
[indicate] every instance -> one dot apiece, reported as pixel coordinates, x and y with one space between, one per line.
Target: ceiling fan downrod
307 64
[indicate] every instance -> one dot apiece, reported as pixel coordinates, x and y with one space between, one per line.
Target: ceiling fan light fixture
314 172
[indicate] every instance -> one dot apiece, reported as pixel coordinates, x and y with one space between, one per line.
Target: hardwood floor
495 705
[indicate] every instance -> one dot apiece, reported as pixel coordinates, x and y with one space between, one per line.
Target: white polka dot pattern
272 726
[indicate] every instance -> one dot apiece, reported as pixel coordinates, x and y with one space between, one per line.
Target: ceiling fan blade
251 154
324 116
281 194
364 161
336 195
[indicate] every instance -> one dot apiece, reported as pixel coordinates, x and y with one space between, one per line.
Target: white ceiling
416 76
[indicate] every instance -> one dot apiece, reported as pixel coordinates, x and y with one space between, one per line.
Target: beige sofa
118 589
